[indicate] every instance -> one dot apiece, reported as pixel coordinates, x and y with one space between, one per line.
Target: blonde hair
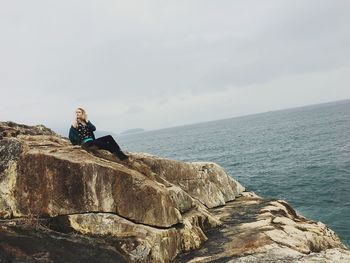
83 117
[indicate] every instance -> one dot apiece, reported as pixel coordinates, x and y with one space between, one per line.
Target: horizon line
240 116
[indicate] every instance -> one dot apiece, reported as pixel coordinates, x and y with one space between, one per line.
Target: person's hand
79 120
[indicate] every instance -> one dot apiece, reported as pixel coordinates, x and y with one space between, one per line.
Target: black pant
107 143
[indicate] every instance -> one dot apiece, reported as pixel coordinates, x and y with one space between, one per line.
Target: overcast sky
157 64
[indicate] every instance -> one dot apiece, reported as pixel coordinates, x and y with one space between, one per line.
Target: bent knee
109 137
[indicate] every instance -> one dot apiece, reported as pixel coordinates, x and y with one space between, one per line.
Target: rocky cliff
61 203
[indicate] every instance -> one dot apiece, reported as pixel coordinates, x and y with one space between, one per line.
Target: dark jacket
74 135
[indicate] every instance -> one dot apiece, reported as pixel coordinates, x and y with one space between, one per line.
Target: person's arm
90 126
74 136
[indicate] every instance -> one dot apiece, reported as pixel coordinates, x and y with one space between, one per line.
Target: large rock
146 209
49 180
143 243
204 181
259 230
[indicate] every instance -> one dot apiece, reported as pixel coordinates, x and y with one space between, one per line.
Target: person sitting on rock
82 133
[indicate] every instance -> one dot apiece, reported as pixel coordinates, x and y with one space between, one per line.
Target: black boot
122 156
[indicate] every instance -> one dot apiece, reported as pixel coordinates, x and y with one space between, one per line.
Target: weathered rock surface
259 230
146 209
26 241
206 182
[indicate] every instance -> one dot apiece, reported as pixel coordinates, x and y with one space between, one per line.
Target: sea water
301 155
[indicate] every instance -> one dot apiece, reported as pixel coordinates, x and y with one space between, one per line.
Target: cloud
135 109
163 60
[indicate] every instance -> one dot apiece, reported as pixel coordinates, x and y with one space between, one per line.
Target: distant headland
135 130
